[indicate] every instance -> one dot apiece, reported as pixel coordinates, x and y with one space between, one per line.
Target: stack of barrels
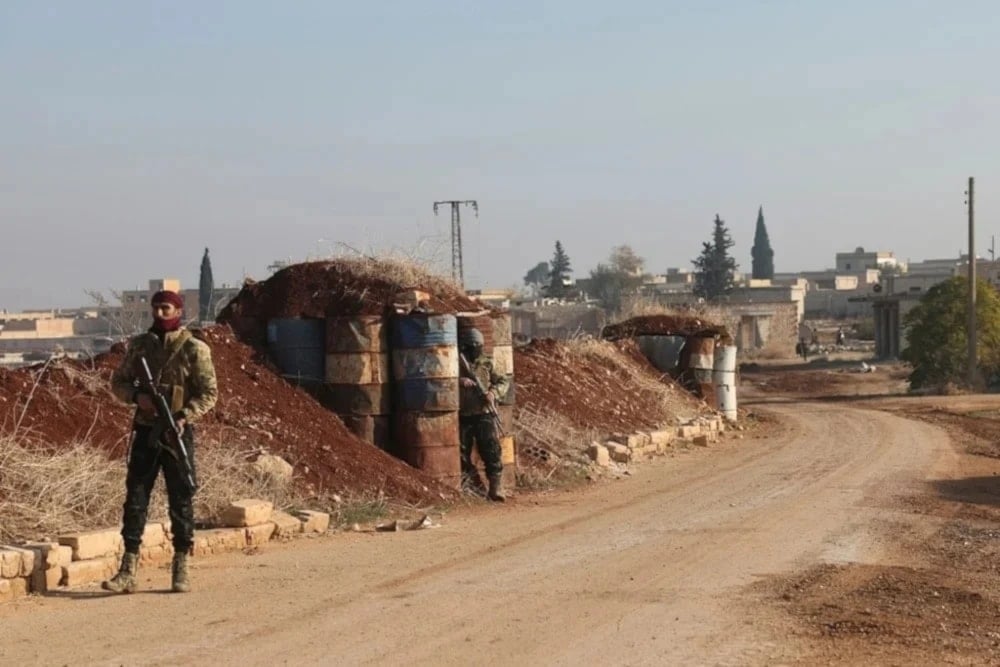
395 383
357 376
425 375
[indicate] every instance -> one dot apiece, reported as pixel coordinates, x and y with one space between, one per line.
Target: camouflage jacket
182 370
471 402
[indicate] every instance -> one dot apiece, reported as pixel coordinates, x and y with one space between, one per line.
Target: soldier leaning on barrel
182 371
476 423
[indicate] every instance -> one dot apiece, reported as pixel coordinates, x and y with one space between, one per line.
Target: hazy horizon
136 136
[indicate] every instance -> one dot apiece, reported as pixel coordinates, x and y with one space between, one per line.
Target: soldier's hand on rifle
180 424
468 382
491 398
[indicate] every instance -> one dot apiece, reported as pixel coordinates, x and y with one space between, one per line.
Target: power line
457 271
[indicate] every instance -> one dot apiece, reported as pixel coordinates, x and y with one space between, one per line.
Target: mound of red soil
65 402
662 325
331 288
593 391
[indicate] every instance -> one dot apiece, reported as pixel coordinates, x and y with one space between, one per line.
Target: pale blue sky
134 134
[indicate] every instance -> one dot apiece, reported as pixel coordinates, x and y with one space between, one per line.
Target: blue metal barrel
425 376
425 362
297 347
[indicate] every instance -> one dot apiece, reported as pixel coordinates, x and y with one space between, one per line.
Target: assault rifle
172 435
490 407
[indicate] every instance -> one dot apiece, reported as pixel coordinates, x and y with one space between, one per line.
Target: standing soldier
181 366
476 422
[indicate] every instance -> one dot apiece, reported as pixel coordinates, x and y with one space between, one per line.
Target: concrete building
861 260
555 320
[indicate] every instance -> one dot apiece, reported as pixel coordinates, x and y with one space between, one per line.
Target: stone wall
92 556
758 326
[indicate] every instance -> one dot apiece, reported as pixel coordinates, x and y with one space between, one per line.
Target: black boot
495 494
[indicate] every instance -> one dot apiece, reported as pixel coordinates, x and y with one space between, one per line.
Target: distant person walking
805 339
183 374
840 336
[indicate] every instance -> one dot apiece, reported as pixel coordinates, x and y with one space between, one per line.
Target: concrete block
25 560
661 438
257 535
64 555
10 563
314 522
46 554
688 431
618 452
11 589
88 571
248 512
45 580
599 454
220 540
153 535
285 525
93 544
156 554
701 440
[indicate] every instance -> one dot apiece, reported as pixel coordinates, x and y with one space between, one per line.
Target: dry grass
538 432
644 306
45 493
673 400
422 265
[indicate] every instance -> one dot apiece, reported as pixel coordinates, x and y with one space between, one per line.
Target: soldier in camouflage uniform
476 423
182 369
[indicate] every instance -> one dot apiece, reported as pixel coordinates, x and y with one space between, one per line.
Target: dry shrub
672 399
44 493
644 306
421 265
538 432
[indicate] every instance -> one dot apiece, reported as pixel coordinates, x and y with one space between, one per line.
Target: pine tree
714 268
206 285
762 254
559 272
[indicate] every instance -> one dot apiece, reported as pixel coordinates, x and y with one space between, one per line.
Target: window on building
848 266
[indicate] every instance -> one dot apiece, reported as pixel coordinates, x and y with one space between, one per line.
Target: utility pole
972 283
457 271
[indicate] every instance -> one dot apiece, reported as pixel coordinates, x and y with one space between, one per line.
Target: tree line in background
623 273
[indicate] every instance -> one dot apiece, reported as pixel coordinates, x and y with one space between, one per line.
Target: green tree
714 268
537 276
206 287
762 254
559 271
936 342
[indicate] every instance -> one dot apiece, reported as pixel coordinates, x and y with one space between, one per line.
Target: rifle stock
490 407
171 432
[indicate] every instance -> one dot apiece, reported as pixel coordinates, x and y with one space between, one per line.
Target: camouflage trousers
146 460
481 431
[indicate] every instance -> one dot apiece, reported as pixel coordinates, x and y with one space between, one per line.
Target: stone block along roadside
249 512
93 543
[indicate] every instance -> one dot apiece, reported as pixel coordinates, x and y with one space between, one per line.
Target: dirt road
652 569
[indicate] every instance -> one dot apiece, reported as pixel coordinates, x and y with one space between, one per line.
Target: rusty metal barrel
425 375
358 379
481 321
503 352
701 361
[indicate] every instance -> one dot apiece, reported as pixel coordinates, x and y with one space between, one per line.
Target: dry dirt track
648 570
